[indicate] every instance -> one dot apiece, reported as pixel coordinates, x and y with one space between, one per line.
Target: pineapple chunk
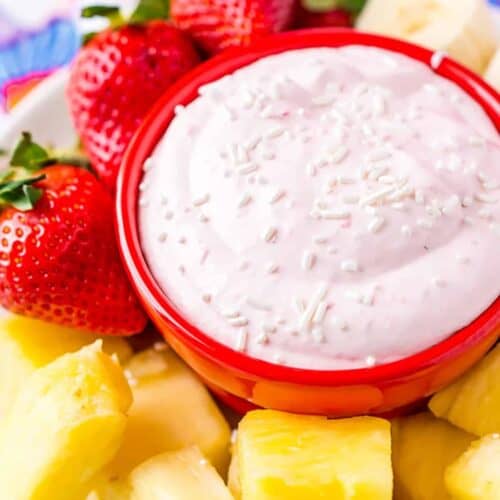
177 475
422 447
476 474
233 476
27 344
65 424
473 401
295 457
171 410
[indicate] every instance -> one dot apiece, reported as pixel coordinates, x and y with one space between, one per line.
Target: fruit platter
250 250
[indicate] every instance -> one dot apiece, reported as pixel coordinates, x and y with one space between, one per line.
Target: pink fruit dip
326 208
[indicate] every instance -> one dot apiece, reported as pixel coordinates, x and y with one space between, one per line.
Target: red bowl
244 382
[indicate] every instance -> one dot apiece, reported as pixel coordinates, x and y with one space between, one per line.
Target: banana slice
462 28
492 75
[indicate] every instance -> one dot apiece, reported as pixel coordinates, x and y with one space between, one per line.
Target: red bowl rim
153 128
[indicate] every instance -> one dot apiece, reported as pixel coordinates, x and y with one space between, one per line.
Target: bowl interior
152 130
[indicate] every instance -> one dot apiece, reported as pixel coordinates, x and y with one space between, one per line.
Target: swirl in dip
326 209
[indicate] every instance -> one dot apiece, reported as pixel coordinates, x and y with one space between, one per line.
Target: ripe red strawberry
115 80
219 24
340 18
58 256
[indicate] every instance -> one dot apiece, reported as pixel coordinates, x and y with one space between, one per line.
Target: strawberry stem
21 194
149 10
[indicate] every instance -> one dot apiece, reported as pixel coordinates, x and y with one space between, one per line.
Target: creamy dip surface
326 208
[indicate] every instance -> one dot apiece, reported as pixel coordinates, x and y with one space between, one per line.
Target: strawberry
340 18
59 260
218 24
117 77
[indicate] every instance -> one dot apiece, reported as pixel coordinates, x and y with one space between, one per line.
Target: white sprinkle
406 230
491 186
386 179
148 164
230 313
487 198
476 140
206 297
272 268
450 205
201 200
467 201
439 282
401 193
350 199
419 197
268 328
378 155
268 155
242 340
257 304
495 227
353 295
320 313
377 172
320 240
311 169
482 177
231 114
262 339
244 200
324 100
398 205
376 224
342 324
241 154
485 213
253 143
310 310
247 168
308 260
239 321
275 132
431 88
270 234
335 214
345 179
179 109
318 335
204 255
277 195
162 237
437 58
143 185
349 265
332 250
425 223
338 155
143 202
299 304
379 105
370 361
376 196
278 359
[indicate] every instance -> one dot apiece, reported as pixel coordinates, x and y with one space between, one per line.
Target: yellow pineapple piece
473 401
172 409
233 475
296 457
422 447
65 424
476 474
27 344
177 475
